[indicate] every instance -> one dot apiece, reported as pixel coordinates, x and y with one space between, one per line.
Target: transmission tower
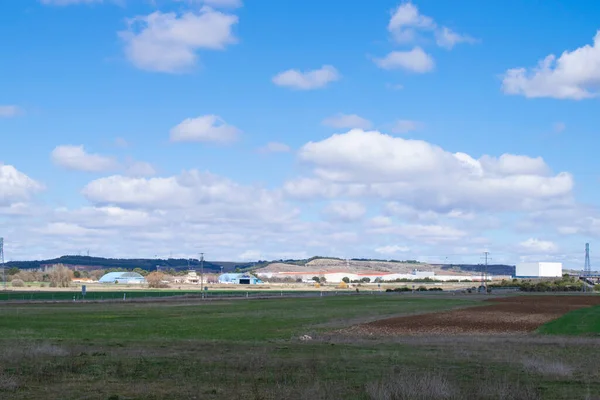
587 269
484 271
2 262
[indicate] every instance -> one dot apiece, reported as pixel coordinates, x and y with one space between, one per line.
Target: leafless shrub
8 383
17 283
156 280
412 386
60 276
30 276
544 367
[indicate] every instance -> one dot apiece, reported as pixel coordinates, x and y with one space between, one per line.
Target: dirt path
510 315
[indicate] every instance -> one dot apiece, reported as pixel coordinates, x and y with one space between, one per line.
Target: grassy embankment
247 350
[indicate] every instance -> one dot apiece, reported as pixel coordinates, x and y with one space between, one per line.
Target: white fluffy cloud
407 22
78 159
392 249
447 38
344 211
190 189
15 186
574 75
206 128
415 60
307 80
8 111
168 42
416 172
140 169
348 121
536 246
430 234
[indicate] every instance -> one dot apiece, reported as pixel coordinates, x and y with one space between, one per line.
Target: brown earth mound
520 314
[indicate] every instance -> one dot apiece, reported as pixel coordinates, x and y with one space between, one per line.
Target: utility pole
484 271
2 262
202 273
587 268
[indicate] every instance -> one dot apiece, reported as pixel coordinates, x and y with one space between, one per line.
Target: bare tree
60 276
96 274
156 280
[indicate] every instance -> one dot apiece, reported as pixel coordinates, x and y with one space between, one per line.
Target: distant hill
148 264
357 265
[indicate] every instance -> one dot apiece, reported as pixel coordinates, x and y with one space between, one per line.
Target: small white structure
539 270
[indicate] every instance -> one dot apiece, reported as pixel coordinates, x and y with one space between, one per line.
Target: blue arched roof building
123 277
239 279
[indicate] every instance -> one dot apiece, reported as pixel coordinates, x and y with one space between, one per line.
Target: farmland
294 348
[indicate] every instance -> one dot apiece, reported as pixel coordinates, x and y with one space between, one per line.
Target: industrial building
239 279
123 278
539 270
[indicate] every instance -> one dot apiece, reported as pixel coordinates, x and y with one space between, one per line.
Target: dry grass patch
549 368
412 386
8 383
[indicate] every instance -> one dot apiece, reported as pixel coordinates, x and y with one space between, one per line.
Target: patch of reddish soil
509 315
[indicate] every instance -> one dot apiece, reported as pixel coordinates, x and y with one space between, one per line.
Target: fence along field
274 349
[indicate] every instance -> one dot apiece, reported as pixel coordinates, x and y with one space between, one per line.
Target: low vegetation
565 284
261 350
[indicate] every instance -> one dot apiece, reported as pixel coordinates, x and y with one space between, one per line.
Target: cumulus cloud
392 249
15 186
344 211
574 75
407 23
8 111
206 128
373 164
347 121
307 80
168 42
447 38
427 233
275 147
184 191
140 169
415 60
536 246
78 159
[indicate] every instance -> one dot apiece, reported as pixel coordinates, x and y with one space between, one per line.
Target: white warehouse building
539 270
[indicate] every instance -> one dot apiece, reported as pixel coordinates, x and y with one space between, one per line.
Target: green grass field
582 322
130 294
249 349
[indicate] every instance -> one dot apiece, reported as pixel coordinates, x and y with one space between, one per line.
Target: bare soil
510 315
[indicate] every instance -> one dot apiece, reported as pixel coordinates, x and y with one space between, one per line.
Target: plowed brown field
519 314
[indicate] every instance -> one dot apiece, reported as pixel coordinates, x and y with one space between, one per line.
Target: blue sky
289 129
